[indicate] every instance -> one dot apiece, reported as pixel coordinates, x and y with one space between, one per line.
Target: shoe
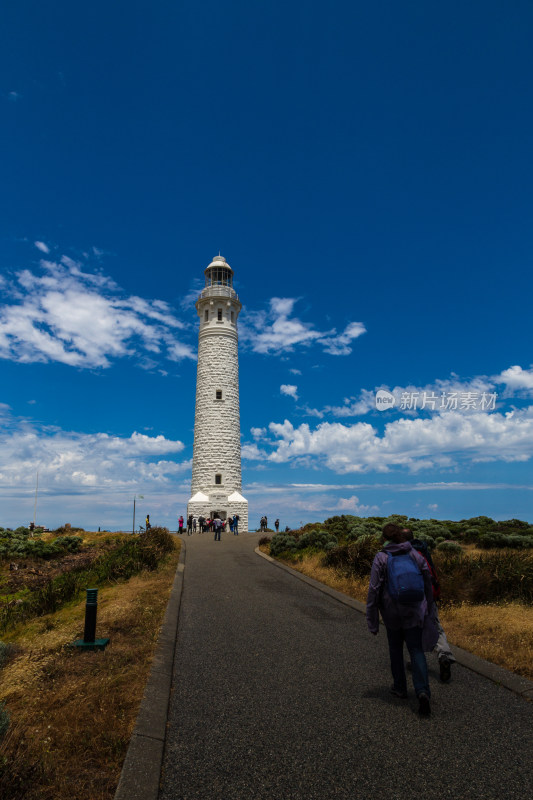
445 669
424 709
398 692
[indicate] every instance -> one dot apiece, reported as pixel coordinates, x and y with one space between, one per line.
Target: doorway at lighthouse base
222 505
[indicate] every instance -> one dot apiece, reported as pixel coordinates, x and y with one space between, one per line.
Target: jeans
413 639
217 534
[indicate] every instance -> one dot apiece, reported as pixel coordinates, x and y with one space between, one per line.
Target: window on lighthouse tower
218 479
219 315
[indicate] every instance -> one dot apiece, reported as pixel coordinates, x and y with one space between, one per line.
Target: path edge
496 674
141 771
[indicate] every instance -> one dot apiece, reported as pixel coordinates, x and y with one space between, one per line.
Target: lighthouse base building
216 470
219 505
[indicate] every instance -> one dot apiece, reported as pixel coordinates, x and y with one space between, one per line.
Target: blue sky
365 169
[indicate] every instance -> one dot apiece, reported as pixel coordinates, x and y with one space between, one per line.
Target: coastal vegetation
66 717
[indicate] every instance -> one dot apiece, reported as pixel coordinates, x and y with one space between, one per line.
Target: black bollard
89 641
91 607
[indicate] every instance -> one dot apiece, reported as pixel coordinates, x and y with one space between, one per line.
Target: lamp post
141 497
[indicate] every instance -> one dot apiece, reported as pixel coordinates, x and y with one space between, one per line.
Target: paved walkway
280 692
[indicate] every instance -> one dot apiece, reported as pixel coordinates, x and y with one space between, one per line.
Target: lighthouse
216 466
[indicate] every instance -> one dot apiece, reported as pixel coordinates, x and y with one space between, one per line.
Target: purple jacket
398 615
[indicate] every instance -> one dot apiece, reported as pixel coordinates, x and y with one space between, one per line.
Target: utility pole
35 503
141 497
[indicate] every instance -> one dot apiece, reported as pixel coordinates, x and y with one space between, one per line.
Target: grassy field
499 632
72 713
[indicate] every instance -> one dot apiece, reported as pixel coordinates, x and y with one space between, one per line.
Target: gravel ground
280 692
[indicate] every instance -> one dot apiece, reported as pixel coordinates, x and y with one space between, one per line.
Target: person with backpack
400 589
442 648
217 527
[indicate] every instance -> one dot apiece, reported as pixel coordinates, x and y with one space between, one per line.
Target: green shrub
281 542
490 577
483 522
316 539
70 543
264 540
354 558
450 547
489 541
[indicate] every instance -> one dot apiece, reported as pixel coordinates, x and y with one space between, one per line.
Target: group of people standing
263 524
202 524
404 588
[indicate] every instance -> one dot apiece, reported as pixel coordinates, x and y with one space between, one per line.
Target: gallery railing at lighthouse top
219 291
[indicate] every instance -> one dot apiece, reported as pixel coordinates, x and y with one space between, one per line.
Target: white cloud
258 433
82 319
276 331
516 379
340 345
71 462
42 247
290 390
294 371
438 442
251 452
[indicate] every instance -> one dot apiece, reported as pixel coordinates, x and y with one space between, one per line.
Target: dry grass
501 633
72 713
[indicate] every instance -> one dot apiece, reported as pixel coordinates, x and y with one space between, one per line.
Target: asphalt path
280 692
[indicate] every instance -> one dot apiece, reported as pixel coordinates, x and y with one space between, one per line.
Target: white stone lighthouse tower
216 467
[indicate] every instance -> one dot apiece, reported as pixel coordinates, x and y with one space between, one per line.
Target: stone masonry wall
217 432
217 439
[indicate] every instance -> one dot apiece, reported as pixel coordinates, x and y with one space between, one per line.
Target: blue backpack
405 581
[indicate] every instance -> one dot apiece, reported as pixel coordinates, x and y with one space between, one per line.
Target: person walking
442 648
276 525
217 525
230 519
180 525
400 588
189 525
235 524
194 524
